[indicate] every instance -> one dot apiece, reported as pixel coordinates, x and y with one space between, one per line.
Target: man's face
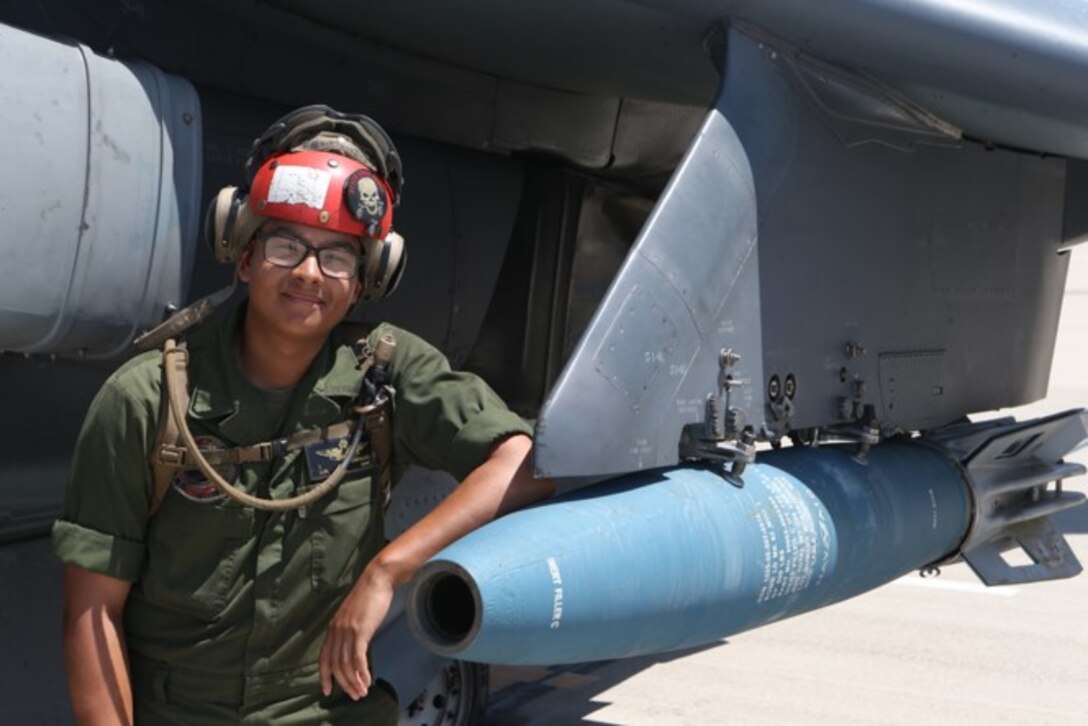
300 302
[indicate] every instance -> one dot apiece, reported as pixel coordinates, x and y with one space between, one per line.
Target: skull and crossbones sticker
367 199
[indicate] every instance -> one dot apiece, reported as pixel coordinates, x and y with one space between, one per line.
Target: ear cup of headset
384 266
219 221
229 224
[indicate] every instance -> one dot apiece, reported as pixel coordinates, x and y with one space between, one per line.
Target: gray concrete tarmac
943 650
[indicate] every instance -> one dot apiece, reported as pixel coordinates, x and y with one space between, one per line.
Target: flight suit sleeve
105 510
443 419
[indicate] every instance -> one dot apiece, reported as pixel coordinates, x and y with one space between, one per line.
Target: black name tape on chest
325 455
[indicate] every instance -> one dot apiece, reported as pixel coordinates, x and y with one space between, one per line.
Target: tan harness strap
380 429
175 457
377 415
166 456
174 442
175 361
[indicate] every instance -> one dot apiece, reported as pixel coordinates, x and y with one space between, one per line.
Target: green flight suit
229 605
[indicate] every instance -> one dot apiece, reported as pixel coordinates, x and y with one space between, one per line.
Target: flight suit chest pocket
196 553
342 534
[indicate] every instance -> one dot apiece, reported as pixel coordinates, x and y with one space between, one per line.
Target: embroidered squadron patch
194 486
325 455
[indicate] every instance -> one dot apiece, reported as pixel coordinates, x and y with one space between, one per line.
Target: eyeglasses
284 249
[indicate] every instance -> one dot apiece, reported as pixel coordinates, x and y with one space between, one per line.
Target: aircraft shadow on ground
568 694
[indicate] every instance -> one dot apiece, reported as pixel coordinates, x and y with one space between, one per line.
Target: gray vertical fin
688 289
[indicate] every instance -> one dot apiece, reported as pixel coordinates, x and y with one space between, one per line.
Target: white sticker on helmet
299 185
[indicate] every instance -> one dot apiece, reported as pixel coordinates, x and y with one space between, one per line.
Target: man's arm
503 483
94 647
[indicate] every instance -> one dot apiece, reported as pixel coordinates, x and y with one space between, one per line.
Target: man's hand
343 654
503 483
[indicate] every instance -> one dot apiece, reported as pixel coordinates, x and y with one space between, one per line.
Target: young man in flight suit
203 610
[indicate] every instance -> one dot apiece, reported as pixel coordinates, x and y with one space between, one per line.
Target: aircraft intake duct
673 558
100 195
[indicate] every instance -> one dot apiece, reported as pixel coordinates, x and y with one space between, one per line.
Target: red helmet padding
324 190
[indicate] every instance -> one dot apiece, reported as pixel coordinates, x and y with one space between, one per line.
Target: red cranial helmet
325 190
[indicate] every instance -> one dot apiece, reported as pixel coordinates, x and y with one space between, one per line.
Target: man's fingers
336 662
343 658
324 668
351 682
346 670
341 667
362 669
